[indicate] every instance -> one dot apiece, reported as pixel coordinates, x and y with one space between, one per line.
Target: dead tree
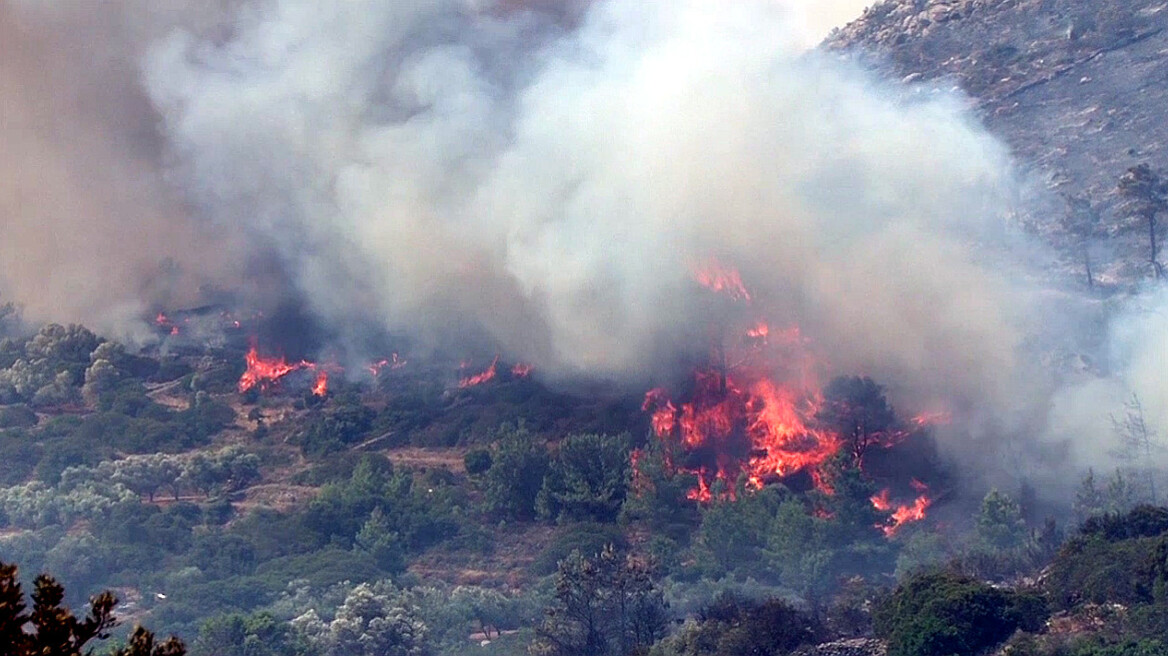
1083 224
1145 195
1138 444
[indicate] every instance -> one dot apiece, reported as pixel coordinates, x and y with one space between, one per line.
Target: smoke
88 229
544 174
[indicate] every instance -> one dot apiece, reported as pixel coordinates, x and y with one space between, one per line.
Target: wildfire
480 378
163 321
738 424
904 513
939 418
715 277
756 415
521 370
264 372
320 387
393 362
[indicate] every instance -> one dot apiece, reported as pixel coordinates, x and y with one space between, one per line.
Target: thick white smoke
428 160
548 174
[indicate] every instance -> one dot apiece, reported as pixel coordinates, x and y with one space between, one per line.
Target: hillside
1075 87
291 482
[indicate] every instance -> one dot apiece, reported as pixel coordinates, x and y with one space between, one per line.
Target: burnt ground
1076 88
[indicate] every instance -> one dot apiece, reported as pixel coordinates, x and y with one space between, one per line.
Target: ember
394 362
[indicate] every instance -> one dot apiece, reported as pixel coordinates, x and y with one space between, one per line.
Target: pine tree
56 631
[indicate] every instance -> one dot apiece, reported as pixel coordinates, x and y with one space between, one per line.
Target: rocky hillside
1076 87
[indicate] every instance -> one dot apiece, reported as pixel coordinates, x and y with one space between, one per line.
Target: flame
715 277
265 371
480 378
938 418
743 424
320 388
163 321
904 513
753 416
521 370
394 362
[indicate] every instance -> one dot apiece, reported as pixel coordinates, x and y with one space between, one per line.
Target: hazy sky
819 16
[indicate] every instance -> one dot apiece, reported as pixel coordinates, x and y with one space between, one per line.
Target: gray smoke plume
548 174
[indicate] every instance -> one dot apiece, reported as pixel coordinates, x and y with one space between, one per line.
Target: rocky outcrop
853 647
1075 87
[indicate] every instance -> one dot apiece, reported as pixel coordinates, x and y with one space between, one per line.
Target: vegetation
51 629
944 614
396 516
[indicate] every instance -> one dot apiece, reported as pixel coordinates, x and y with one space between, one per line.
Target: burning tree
855 409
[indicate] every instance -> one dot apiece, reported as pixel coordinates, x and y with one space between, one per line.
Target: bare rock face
852 647
1077 88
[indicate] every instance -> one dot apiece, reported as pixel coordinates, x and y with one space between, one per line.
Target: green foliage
374 620
733 532
516 476
336 429
236 634
477 461
607 605
1114 558
378 538
587 538
338 467
659 493
1139 522
17 416
588 479
1000 524
856 409
418 516
944 614
1094 570
55 631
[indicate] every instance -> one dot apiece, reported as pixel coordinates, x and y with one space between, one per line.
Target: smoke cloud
544 174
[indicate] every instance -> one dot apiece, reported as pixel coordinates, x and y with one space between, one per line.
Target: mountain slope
1077 88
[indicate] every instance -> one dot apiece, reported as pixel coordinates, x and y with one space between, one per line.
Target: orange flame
480 378
265 371
521 370
394 362
759 331
743 424
320 388
715 277
938 418
904 513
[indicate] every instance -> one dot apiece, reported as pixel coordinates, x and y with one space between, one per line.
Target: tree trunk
1156 267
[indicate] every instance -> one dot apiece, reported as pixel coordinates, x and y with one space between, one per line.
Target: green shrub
477 461
587 538
1093 570
1139 522
587 479
945 614
17 416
